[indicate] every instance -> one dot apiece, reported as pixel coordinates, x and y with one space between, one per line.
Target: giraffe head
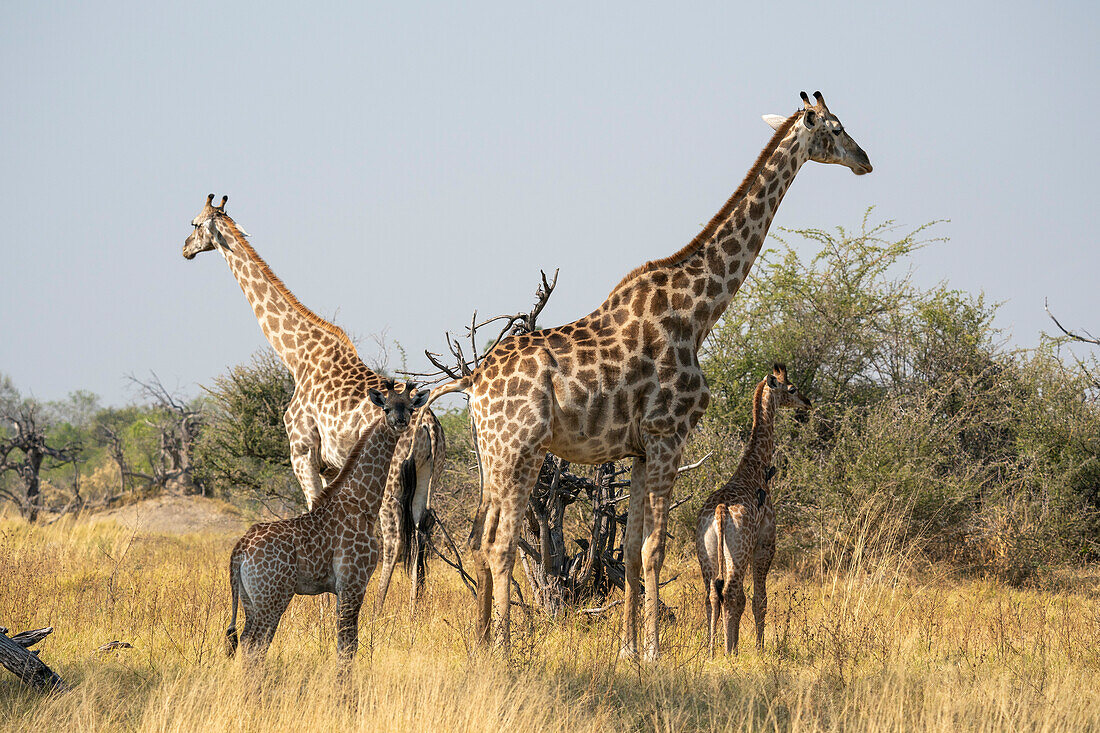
779 388
825 136
206 235
399 406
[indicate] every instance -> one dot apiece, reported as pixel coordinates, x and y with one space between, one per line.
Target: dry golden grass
868 648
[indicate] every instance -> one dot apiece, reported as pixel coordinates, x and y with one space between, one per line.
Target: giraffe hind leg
484 530
263 611
714 611
733 607
761 564
390 523
518 473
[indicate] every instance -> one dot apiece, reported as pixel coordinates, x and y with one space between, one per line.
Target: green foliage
459 486
243 449
921 419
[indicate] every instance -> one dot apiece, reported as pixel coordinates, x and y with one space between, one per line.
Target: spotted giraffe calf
736 525
331 548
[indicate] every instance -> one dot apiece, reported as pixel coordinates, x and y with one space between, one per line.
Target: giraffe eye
838 130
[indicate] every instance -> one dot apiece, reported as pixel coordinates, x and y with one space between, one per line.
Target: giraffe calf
736 526
331 548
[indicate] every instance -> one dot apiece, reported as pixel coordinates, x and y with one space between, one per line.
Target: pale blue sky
401 164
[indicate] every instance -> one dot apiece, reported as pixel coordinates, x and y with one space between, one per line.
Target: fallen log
25 664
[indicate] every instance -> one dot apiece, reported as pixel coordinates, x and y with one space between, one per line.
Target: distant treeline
928 434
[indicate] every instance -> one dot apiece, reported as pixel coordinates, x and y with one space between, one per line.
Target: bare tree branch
514 323
1089 339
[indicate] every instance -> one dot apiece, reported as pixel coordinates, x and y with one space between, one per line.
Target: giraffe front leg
305 449
305 459
348 604
660 475
653 556
632 559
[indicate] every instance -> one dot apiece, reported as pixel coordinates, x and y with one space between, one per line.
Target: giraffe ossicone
331 405
624 381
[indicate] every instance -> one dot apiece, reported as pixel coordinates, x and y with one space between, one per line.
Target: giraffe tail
720 565
410 548
235 590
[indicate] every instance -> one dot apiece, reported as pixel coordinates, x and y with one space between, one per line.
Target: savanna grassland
875 646
937 560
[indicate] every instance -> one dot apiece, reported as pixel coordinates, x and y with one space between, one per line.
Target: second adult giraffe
331 404
625 379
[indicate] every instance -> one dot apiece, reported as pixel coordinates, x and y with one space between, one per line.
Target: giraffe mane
757 411
716 221
283 289
349 465
758 401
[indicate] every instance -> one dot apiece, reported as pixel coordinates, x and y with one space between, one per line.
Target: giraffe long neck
761 446
294 331
359 487
733 243
692 287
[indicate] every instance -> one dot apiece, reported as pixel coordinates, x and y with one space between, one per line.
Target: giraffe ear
772 383
377 398
774 121
420 398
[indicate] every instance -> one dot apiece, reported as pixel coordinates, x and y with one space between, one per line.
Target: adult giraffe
331 404
625 379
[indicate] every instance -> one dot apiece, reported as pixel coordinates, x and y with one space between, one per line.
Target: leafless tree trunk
178 425
24 452
24 663
561 578
557 577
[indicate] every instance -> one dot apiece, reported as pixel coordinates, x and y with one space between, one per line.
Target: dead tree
25 450
24 663
177 425
559 576
1088 338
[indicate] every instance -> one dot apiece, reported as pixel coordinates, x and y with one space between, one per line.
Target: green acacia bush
928 433
243 452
